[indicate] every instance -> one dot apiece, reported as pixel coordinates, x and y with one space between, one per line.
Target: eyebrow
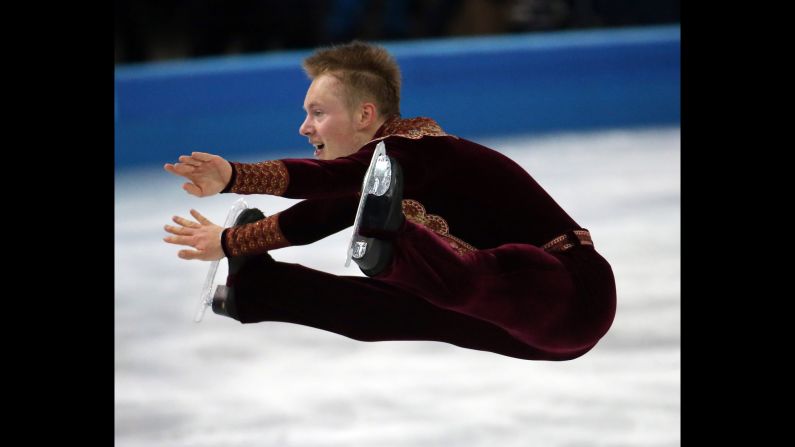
311 104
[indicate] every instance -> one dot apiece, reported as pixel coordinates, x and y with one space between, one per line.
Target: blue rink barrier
245 106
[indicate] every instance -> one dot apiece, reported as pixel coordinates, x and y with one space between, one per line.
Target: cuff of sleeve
232 179
223 242
254 238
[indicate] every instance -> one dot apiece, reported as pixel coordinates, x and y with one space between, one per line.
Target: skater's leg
532 294
364 309
520 288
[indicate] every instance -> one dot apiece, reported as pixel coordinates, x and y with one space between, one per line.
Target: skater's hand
203 235
208 174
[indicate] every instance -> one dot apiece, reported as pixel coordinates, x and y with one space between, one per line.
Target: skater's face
334 129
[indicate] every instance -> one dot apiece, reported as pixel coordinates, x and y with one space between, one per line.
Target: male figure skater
459 243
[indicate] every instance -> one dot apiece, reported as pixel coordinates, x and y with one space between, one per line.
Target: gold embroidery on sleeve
267 177
255 238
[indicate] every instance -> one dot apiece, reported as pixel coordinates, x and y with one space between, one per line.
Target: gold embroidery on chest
564 242
415 212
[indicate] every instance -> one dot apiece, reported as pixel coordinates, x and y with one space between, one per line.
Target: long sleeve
304 178
313 219
303 223
301 178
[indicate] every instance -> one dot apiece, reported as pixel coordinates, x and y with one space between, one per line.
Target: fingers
194 235
185 222
189 161
202 220
181 169
194 254
192 189
184 234
179 240
179 231
202 156
189 254
189 223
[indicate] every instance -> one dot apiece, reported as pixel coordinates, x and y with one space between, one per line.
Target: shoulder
408 138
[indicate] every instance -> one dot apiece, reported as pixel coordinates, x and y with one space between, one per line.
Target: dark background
152 30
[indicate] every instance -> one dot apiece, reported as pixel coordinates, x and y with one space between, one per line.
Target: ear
368 114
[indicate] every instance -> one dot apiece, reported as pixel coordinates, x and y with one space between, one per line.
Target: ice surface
220 383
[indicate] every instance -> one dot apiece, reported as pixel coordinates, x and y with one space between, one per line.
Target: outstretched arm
303 223
208 174
303 178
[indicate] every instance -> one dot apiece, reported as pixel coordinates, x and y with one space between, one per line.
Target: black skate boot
224 298
382 215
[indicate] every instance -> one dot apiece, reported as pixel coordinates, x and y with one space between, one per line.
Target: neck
369 132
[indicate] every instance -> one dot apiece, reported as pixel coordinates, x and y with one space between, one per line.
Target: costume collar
414 128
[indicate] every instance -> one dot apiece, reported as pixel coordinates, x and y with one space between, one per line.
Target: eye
317 113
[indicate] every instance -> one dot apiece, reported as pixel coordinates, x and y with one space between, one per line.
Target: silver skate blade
207 292
372 184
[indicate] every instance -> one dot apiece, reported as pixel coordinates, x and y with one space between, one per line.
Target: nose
305 128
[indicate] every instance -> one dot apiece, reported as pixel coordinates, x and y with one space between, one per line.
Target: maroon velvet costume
485 260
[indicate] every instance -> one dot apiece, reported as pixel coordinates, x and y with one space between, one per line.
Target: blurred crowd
148 30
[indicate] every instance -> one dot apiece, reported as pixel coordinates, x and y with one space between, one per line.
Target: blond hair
366 71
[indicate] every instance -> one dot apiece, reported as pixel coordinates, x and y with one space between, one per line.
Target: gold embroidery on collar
415 212
413 128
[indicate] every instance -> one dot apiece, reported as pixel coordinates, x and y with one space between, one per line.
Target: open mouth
319 148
